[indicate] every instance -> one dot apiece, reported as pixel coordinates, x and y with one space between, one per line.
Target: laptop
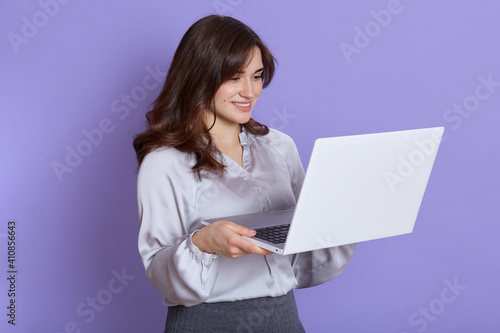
357 188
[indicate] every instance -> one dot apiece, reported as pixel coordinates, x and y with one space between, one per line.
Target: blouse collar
245 136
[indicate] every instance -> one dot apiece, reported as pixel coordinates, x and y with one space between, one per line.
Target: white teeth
242 104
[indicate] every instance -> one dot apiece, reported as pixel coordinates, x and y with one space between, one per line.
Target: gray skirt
264 314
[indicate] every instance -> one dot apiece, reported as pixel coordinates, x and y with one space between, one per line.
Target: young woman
203 156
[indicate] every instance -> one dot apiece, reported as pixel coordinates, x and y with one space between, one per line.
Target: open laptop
357 188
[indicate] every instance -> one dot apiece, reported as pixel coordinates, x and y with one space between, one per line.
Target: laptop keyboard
275 234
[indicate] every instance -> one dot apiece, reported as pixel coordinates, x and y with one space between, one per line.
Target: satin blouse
172 203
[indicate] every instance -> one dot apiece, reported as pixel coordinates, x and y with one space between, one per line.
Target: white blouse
172 203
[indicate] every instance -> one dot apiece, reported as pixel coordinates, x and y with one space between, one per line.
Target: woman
202 156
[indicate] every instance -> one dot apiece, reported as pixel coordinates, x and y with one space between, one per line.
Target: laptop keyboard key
275 234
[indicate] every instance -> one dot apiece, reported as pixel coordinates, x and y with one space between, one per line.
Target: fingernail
253 231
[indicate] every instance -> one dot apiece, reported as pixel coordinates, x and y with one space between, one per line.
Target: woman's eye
234 79
258 77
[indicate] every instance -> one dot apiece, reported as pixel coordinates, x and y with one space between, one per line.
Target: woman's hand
224 238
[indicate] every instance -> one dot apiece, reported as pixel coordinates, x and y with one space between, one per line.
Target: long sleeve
319 266
174 265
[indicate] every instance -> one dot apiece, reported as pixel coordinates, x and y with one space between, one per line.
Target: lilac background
73 232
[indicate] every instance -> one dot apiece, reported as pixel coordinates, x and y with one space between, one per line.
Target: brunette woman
203 156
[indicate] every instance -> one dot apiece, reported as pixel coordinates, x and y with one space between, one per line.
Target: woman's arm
179 261
174 265
319 266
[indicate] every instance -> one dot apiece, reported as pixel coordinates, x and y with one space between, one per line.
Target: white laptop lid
362 187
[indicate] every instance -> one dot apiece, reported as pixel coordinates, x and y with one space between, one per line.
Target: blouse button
248 177
259 191
214 256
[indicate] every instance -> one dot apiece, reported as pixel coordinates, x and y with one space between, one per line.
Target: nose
247 89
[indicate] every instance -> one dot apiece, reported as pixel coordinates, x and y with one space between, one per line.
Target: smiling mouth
245 105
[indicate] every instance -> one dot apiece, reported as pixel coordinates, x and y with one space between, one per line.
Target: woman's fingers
239 229
244 244
225 238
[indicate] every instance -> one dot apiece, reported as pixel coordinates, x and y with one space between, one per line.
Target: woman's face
235 99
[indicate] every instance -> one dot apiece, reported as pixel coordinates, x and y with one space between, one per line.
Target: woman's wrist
198 240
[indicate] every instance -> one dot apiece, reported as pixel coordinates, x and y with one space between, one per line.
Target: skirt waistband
263 314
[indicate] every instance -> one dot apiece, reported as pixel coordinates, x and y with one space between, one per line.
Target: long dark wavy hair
213 50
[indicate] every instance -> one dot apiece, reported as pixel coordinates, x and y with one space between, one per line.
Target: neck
227 137
225 134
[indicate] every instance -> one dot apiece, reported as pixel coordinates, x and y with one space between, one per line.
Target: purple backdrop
76 78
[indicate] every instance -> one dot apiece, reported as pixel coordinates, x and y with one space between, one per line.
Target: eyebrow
259 70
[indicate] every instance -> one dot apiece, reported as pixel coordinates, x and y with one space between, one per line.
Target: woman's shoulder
167 160
278 140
